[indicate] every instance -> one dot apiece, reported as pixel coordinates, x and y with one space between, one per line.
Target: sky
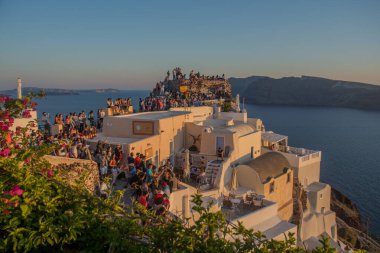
131 44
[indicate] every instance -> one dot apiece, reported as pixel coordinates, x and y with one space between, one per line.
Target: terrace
279 143
234 207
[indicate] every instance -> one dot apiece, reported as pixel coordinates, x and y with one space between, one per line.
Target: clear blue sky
131 44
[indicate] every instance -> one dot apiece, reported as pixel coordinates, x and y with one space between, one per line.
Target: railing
196 159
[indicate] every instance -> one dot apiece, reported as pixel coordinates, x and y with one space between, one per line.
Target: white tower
19 88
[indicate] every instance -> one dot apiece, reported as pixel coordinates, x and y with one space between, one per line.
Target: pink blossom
5 152
27 160
3 99
26 114
4 127
50 173
16 191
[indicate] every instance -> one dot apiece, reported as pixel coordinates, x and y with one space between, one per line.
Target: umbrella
234 182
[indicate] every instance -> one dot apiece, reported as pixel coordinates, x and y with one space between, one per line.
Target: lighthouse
19 88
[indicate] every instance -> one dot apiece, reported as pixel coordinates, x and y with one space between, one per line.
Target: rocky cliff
204 86
346 210
307 91
351 228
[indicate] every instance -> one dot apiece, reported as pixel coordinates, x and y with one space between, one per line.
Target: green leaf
25 210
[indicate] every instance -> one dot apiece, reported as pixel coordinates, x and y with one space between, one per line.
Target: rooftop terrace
239 210
154 115
112 140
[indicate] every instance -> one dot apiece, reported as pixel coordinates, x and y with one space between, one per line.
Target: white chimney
19 88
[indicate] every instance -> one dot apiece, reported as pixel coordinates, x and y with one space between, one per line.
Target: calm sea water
349 140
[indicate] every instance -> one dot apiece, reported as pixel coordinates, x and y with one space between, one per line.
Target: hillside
56 91
48 91
307 91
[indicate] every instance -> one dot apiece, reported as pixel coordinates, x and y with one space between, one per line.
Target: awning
273 137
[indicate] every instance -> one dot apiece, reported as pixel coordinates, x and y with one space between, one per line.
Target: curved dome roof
242 129
270 164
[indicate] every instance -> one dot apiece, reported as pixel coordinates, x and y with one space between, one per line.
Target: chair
258 203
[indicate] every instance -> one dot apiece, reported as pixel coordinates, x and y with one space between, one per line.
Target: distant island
99 90
307 91
56 91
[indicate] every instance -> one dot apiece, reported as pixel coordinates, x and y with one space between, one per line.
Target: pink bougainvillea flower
5 152
26 114
4 128
4 99
50 173
16 191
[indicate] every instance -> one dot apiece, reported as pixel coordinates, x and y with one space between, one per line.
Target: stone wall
74 169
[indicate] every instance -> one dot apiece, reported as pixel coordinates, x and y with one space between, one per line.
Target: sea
348 138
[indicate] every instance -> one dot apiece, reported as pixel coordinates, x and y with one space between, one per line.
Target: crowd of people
148 184
177 74
71 132
120 105
164 97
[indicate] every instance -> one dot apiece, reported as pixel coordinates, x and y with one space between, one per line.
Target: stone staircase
212 170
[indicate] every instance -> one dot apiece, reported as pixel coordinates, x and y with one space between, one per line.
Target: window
321 196
252 152
271 187
288 178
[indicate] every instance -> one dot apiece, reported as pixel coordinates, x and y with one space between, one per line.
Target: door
219 143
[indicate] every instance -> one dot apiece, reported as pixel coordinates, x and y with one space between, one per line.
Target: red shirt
166 203
137 161
157 196
142 201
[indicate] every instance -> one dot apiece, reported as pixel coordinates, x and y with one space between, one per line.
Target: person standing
46 122
103 164
130 158
91 118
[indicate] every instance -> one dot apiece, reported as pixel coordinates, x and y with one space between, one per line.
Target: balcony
296 156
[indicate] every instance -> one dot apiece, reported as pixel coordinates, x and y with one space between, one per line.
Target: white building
257 169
